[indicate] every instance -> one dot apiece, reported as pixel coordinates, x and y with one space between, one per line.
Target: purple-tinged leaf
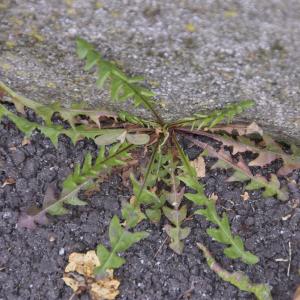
30 221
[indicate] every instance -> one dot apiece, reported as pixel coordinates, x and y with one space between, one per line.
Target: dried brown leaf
105 289
25 141
26 220
240 129
214 197
92 189
83 263
79 276
268 150
199 165
274 151
34 215
132 200
263 159
253 128
242 144
288 167
97 115
297 294
243 173
8 181
245 196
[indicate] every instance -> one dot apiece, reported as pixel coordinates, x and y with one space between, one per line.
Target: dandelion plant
166 180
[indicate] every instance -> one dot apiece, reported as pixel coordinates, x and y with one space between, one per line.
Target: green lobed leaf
47 111
80 178
127 117
138 138
215 117
142 191
111 137
142 194
238 279
176 233
255 184
243 173
198 199
238 176
153 214
53 131
112 260
132 215
120 240
120 136
83 48
57 209
122 86
175 216
222 233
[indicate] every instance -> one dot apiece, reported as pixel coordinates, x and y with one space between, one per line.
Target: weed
159 187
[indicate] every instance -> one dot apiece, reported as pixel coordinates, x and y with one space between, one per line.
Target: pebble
7 215
52 239
61 251
18 156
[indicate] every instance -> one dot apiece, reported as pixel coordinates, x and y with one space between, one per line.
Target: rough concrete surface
197 55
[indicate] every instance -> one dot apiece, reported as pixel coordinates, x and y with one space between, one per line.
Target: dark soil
32 262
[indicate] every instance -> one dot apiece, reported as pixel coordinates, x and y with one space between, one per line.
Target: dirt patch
32 262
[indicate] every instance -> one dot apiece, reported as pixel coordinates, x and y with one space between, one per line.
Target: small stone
7 215
73 31
30 149
61 251
18 156
52 239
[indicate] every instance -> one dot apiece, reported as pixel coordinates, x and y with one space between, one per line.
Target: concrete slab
197 55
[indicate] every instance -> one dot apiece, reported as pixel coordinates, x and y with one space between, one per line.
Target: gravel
32 262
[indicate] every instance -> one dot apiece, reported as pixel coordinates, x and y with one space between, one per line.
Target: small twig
281 260
160 247
290 259
187 292
189 218
72 296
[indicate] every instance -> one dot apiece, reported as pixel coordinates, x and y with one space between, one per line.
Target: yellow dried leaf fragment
254 128
79 276
190 27
245 196
297 294
230 13
105 289
8 181
214 197
199 165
